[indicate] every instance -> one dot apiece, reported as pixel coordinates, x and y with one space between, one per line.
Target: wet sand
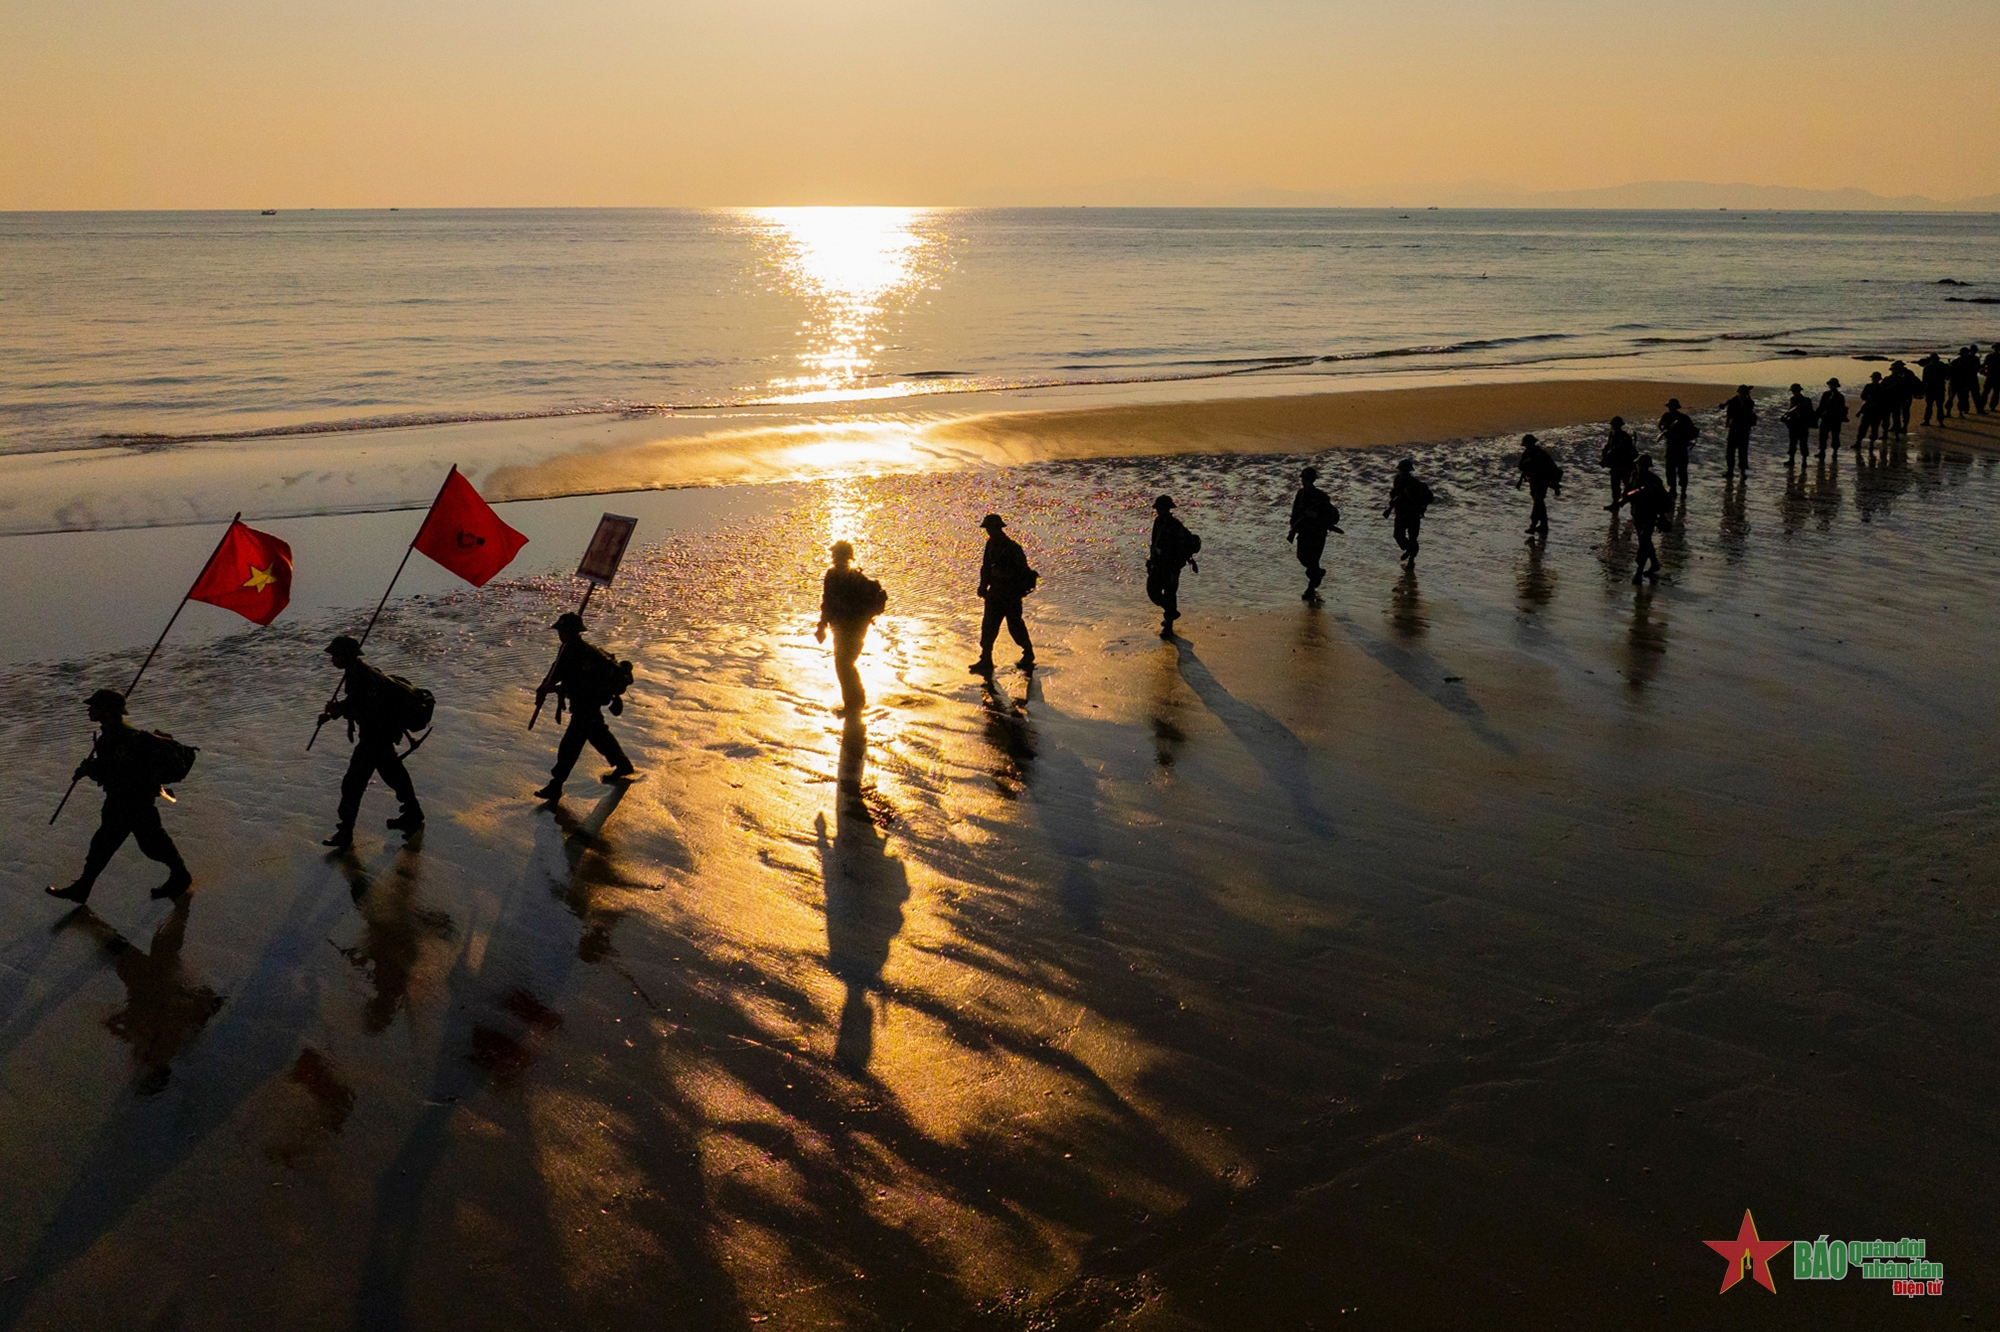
1468 949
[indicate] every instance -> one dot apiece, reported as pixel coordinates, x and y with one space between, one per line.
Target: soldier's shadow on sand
1283 756
164 1009
866 888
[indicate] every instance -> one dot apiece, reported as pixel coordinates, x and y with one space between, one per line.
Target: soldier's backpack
600 675
411 707
872 598
167 760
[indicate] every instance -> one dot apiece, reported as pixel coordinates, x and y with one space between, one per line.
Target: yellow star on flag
259 579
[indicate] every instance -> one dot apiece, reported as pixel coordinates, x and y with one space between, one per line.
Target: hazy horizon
613 103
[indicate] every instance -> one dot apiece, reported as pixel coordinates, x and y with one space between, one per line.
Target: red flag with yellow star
250 573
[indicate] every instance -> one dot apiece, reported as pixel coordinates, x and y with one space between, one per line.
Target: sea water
122 330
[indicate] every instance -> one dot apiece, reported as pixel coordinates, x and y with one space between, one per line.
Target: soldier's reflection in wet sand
393 934
164 1011
865 891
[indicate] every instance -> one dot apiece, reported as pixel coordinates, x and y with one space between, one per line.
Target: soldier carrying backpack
588 679
132 766
384 708
849 600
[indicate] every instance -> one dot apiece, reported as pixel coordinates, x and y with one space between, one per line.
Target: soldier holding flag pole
250 573
585 676
462 533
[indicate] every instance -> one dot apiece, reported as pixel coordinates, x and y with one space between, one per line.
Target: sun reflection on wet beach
852 266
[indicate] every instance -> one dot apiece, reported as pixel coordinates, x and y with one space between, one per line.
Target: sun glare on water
853 267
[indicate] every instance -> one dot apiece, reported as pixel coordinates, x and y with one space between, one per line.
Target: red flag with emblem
250 573
464 534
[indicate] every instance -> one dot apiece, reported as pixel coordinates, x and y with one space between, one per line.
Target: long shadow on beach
1269 741
1426 674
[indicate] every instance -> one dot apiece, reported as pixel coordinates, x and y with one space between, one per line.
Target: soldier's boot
411 819
552 791
76 892
343 837
178 882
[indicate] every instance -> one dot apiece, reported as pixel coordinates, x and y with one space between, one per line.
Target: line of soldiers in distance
586 678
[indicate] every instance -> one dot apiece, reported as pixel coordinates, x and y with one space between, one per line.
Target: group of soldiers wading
133 766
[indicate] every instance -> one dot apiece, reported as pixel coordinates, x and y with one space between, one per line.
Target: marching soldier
378 708
849 600
588 679
129 764
1619 456
1408 499
1004 578
1541 473
1171 547
1313 516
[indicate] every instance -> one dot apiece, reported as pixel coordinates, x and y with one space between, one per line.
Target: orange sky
245 103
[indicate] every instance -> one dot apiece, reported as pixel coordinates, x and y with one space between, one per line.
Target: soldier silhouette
1313 516
1541 474
1739 414
1408 499
1937 387
1651 506
1832 416
1619 456
849 601
587 678
1679 432
127 763
1004 578
1798 418
1171 547
1991 398
376 706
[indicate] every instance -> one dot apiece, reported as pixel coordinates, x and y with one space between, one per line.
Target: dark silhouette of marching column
1408 499
1798 418
1651 506
1739 414
1832 416
1541 474
381 709
587 679
1678 432
1618 457
1172 546
849 601
1004 579
1313 516
1991 398
1965 392
131 766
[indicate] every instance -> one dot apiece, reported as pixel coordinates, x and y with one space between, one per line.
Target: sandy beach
1468 949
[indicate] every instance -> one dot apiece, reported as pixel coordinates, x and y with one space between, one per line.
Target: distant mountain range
1161 192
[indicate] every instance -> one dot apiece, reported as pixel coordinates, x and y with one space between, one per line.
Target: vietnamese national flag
464 534
250 573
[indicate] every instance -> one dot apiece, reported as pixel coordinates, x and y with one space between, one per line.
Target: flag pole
154 651
407 551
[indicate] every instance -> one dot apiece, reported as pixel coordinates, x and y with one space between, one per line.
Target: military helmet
843 550
106 700
1528 439
1309 474
568 622
1163 503
1407 465
343 646
1674 404
992 522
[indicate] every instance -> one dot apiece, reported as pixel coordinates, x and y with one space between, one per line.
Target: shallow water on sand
1489 912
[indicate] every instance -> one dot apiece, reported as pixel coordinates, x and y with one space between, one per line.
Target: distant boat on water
270 212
